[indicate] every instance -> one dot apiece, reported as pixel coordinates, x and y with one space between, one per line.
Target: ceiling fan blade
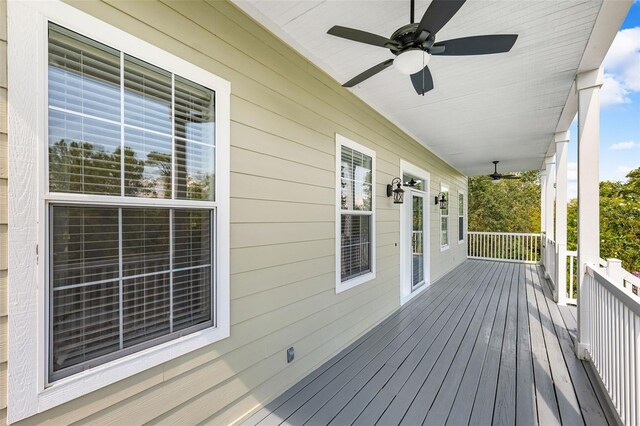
438 14
360 36
509 177
422 81
476 45
368 73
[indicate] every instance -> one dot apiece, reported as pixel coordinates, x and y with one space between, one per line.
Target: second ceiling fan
414 43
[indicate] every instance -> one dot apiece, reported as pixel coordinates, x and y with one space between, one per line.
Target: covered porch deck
486 344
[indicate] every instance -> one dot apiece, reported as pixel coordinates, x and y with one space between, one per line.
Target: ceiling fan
414 43
497 177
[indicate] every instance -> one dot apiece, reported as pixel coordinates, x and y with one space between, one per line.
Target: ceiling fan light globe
411 61
495 180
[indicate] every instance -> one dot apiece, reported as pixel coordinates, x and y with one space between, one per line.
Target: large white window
461 214
132 227
355 219
124 277
444 219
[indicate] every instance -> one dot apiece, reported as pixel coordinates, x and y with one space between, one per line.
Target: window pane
355 246
460 228
460 205
84 76
84 155
147 96
196 166
406 178
145 308
85 324
191 297
192 238
145 241
194 112
444 227
87 309
84 244
147 165
445 211
356 191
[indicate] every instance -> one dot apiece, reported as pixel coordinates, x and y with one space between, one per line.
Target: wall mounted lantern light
442 200
398 192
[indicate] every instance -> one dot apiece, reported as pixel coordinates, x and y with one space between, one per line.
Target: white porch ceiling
497 107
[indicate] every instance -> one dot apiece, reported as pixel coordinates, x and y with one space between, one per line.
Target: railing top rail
504 233
571 253
631 301
630 278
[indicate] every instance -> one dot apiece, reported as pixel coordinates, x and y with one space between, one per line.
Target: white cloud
613 92
622 172
624 145
622 68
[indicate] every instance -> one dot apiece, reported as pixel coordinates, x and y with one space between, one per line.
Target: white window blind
356 213
124 277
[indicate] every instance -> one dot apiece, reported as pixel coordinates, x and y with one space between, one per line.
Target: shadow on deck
485 344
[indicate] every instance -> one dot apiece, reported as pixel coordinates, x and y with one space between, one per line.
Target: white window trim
405 274
361 279
464 216
28 393
444 247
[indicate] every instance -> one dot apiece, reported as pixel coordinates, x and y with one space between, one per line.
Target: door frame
406 255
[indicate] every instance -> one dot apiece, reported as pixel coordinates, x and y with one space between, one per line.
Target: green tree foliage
514 206
507 206
619 221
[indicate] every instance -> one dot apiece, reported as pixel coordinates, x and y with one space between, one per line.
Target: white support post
588 85
615 271
549 195
562 146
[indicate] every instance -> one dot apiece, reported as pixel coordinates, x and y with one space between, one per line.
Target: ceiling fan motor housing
406 38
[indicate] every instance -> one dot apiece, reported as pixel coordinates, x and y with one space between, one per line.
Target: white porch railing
504 246
613 319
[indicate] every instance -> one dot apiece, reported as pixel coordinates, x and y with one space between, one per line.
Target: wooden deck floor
484 345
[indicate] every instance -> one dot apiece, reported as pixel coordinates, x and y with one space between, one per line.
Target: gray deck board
466 396
525 386
484 345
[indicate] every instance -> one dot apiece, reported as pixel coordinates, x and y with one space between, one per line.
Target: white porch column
588 85
548 212
562 145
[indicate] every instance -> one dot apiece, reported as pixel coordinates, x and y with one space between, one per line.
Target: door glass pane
417 241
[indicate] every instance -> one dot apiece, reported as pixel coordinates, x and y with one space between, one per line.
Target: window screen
124 277
356 210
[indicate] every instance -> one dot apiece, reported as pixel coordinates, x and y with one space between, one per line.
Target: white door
414 241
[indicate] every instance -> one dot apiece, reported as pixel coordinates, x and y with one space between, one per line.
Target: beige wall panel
285 113
252 282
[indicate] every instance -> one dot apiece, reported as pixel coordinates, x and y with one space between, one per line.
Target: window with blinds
460 217
444 220
356 195
124 277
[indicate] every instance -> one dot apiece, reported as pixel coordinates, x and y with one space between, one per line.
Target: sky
619 107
